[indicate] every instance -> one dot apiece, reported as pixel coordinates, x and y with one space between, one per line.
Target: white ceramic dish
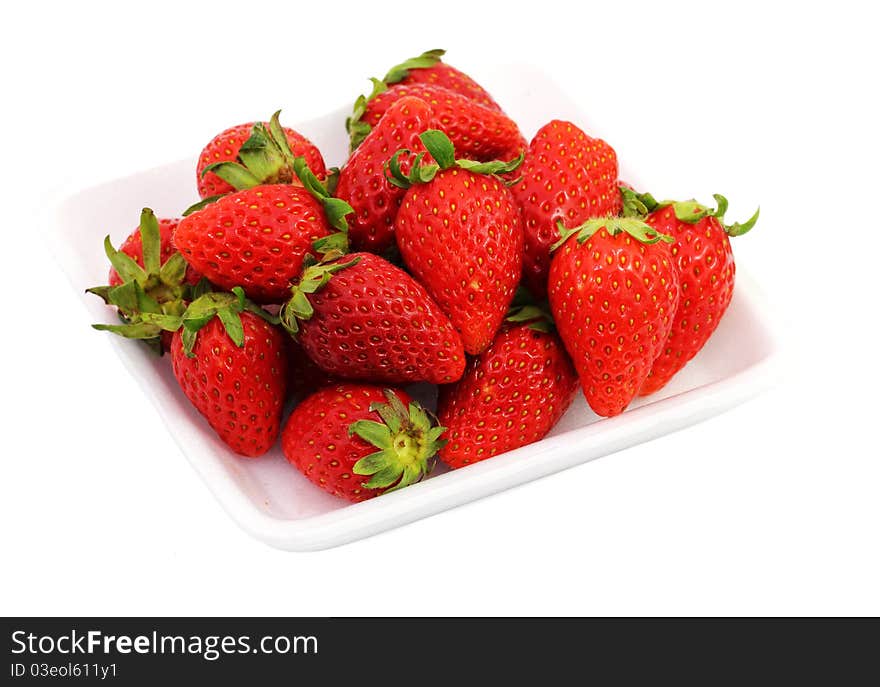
269 498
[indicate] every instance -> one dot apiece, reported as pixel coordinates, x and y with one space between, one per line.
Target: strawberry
133 248
147 276
362 181
257 238
613 291
428 68
511 395
460 234
477 131
231 364
704 259
226 147
360 317
567 176
358 441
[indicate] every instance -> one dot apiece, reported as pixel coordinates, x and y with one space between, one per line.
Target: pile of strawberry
447 250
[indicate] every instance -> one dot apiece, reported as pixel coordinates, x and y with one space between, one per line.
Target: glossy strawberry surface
510 395
614 300
374 321
477 131
239 391
224 147
316 437
452 79
566 175
362 181
704 259
255 238
461 236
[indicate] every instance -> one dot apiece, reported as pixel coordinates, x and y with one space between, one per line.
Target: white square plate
268 497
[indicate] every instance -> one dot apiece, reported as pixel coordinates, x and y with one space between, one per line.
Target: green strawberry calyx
640 205
638 229
155 289
335 209
264 158
315 277
525 309
226 306
407 441
637 204
355 125
442 150
332 180
399 72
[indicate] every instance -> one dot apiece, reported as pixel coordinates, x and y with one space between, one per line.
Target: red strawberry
566 176
357 441
477 131
428 69
460 234
225 147
704 259
133 248
148 277
511 395
257 238
613 292
362 181
361 317
233 369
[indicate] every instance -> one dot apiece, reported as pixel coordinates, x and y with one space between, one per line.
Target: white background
772 508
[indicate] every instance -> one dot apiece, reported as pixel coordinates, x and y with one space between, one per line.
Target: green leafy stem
441 149
406 442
